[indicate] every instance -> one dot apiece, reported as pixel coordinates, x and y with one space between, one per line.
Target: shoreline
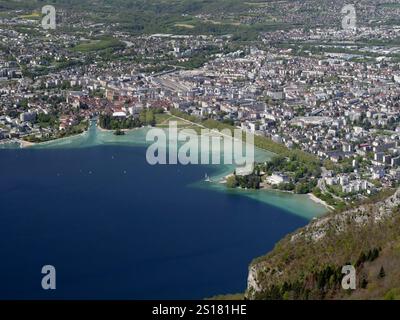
268 187
26 144
320 201
112 130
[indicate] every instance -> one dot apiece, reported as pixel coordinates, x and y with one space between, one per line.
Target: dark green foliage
286 186
364 283
329 277
111 123
119 132
382 273
370 256
251 181
231 182
300 168
46 120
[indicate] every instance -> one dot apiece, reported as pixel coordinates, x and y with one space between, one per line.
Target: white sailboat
207 178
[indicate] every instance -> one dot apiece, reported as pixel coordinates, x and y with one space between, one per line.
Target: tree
24 104
143 116
150 119
302 188
382 273
231 181
364 283
119 132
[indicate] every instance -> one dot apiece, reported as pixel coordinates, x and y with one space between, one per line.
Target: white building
277 178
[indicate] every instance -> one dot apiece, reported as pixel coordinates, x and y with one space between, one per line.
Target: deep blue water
116 228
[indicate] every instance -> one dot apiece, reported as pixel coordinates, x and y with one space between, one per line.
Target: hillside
308 263
244 18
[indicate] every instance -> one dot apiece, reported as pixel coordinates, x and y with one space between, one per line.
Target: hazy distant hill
219 16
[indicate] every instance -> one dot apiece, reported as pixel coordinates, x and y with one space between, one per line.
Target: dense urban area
330 92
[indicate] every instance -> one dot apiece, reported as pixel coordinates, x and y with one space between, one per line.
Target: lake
115 227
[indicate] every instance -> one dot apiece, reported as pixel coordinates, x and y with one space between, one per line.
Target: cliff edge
308 263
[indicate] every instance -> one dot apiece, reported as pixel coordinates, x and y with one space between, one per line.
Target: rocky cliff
308 263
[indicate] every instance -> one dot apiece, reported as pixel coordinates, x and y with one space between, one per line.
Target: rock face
317 229
252 283
264 271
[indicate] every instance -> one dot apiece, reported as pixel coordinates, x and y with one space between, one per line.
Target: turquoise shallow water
300 205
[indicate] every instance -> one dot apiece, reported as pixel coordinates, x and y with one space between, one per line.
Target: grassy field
389 5
184 25
31 16
98 45
163 120
256 4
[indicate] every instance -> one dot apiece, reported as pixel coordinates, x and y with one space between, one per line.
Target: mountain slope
308 263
